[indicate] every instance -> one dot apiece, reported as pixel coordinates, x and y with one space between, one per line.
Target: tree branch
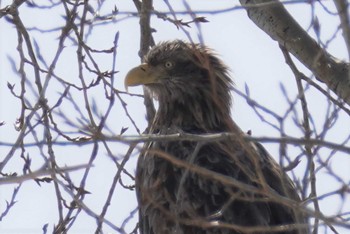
145 42
275 21
342 8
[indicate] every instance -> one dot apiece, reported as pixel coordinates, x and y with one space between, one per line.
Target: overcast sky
255 60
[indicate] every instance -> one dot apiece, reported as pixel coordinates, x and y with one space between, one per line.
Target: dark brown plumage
225 189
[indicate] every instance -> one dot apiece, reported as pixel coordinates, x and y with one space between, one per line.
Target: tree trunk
274 19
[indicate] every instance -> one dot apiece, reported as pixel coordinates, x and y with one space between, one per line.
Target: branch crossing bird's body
227 186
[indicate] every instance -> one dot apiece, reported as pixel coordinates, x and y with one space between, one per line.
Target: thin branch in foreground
210 137
36 174
10 204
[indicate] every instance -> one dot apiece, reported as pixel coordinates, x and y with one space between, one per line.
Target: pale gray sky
254 58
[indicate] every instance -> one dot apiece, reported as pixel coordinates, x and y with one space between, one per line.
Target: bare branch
274 20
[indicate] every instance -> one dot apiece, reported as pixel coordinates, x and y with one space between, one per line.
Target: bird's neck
196 116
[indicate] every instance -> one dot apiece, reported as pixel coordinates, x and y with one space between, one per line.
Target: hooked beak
140 75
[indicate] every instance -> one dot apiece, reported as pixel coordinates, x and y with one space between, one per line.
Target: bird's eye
168 64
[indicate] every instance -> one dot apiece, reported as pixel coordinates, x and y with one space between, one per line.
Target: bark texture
272 17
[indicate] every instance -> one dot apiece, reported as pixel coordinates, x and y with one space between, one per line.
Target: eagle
187 186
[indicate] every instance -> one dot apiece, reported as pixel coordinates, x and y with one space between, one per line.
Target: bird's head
179 67
184 75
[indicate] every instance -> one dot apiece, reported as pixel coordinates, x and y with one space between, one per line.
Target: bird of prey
186 186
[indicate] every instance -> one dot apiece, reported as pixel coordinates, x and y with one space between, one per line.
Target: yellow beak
140 75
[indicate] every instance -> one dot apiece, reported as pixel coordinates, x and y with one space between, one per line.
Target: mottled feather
181 184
